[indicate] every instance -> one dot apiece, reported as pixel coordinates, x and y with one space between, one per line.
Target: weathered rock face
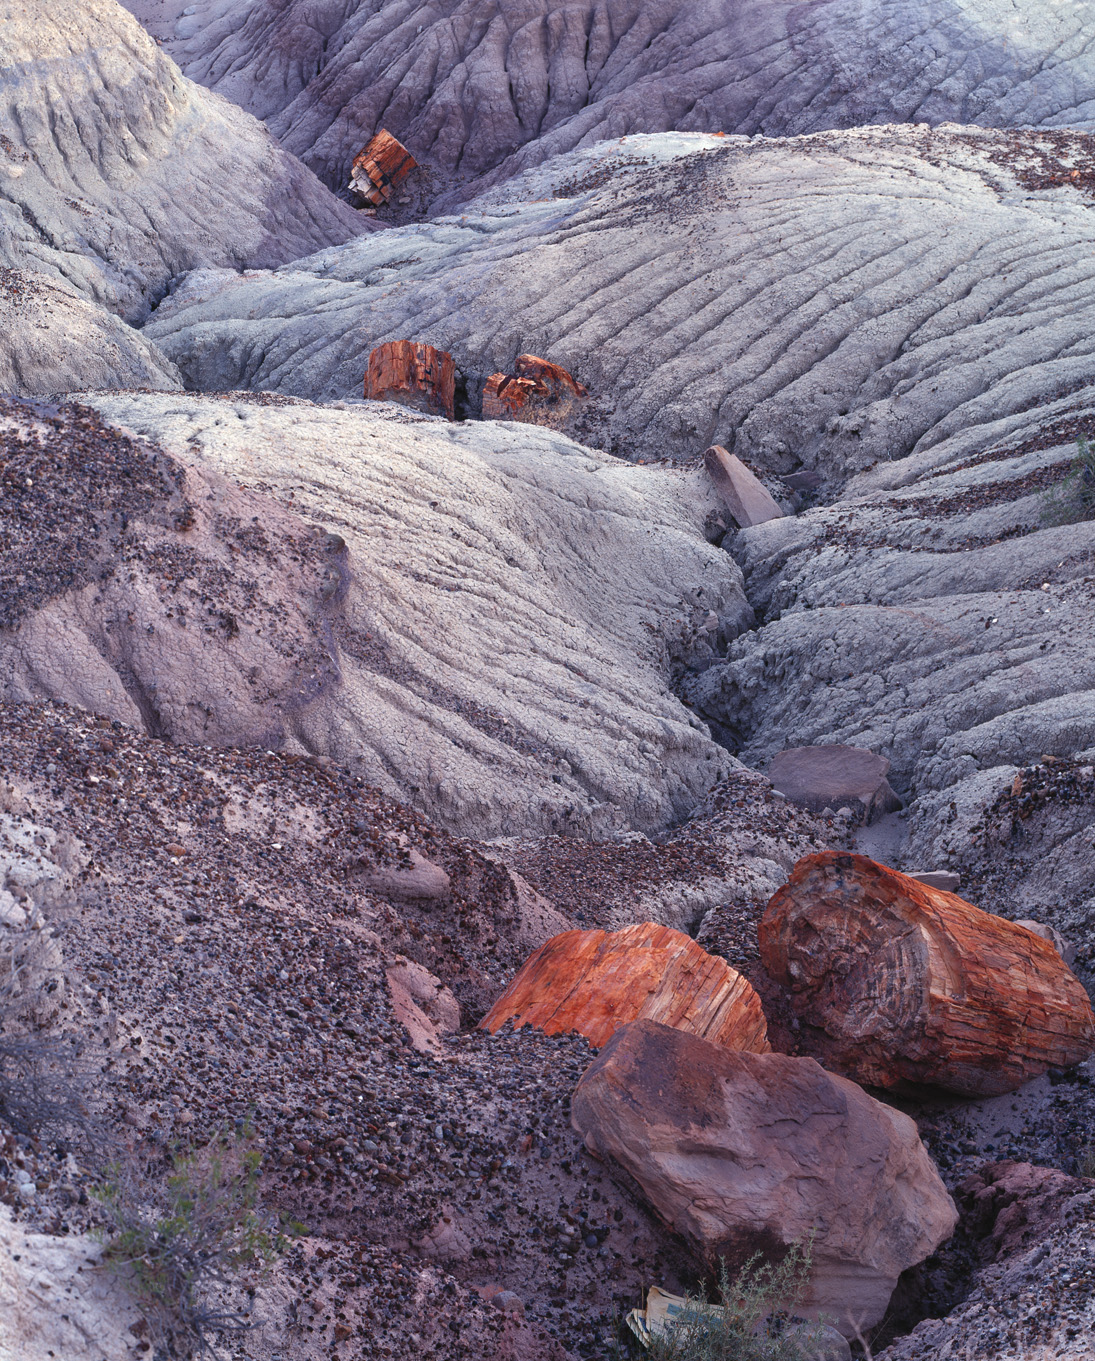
834 777
489 85
742 1152
898 982
597 981
116 172
489 621
704 324
52 340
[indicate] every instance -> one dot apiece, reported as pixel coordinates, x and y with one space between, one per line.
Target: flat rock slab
746 497
835 777
596 981
896 982
743 1152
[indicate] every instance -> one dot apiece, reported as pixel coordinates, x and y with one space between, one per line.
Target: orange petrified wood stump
414 375
897 982
380 168
537 393
596 981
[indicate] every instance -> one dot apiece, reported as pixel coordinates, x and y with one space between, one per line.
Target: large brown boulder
596 981
899 982
835 776
742 1152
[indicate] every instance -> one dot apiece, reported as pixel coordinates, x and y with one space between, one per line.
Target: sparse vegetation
42 1081
751 1319
183 1257
1074 498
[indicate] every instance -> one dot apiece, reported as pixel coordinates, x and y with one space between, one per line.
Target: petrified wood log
747 498
537 393
380 168
596 981
898 982
414 375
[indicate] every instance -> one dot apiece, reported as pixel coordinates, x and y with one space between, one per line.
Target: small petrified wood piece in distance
537 393
380 168
746 497
896 982
596 981
414 375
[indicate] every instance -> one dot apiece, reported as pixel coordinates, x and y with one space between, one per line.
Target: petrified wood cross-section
414 375
897 982
596 981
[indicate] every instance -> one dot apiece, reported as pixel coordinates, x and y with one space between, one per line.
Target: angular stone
947 880
746 497
835 777
380 168
743 1152
897 982
413 375
596 981
536 393
422 1005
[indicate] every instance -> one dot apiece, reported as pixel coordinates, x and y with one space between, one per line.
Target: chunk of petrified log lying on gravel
898 982
380 168
537 393
835 777
746 497
744 1152
596 981
413 375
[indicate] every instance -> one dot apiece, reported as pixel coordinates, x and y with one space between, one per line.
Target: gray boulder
835 777
117 173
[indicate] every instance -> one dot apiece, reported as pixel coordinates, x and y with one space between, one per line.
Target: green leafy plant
751 1320
1074 497
184 1247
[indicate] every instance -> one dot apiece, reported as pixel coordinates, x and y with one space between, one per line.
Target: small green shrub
1074 498
750 1321
211 1227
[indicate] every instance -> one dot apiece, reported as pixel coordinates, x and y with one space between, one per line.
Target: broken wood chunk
746 497
596 981
380 168
896 982
537 393
414 375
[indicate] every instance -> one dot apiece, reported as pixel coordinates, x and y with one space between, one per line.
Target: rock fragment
536 393
413 375
744 1152
594 982
380 168
897 982
746 497
835 776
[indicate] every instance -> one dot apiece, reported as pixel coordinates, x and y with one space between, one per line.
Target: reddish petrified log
537 393
380 168
596 981
897 982
414 375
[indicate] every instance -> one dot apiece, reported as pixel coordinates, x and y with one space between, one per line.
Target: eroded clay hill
490 88
116 174
827 301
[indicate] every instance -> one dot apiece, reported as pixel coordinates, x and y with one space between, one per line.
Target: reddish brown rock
596 981
414 375
743 1152
835 777
537 393
899 982
746 497
380 168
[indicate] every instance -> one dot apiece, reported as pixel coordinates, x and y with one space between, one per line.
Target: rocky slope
480 89
829 301
483 620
